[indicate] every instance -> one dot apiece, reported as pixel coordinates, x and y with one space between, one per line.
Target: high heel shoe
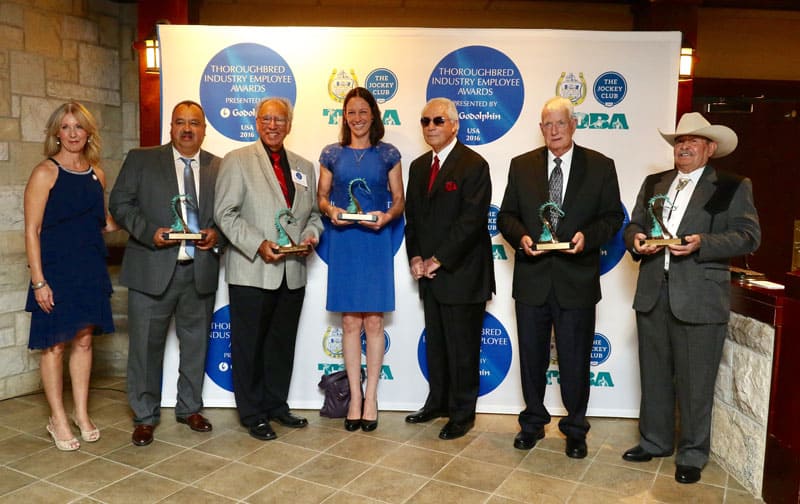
369 425
90 436
62 444
352 425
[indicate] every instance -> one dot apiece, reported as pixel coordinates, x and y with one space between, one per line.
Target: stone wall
741 401
52 51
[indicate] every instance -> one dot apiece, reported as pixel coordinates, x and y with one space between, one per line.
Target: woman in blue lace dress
65 217
360 253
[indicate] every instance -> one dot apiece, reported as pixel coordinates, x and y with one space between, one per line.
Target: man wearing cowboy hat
682 299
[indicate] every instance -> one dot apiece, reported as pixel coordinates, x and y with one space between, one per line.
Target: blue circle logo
495 358
235 80
486 87
387 342
610 89
613 250
601 350
218 358
493 211
382 83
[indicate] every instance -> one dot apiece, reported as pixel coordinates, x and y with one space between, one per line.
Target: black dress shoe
352 425
576 448
687 474
289 420
455 430
525 440
423 415
637 454
262 431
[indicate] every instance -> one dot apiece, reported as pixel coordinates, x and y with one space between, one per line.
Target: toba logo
600 120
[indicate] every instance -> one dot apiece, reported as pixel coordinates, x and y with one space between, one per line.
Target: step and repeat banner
623 85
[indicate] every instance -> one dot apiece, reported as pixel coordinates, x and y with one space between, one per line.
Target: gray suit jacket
722 212
248 197
141 203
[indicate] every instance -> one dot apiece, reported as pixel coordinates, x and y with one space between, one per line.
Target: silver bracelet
38 285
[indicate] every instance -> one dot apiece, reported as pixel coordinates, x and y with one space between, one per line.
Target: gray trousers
677 360
149 318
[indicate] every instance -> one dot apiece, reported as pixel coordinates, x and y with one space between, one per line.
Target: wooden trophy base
553 246
179 235
292 249
357 217
661 242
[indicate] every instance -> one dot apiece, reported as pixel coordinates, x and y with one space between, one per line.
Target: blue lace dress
73 260
360 260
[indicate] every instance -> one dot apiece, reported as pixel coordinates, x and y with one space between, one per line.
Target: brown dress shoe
142 435
196 422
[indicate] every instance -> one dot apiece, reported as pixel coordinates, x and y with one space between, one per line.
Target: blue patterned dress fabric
360 260
74 262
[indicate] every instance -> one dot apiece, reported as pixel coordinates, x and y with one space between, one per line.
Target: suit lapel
167 163
577 171
446 168
206 187
541 184
265 165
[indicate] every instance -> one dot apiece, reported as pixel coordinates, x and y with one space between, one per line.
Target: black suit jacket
141 203
591 205
451 224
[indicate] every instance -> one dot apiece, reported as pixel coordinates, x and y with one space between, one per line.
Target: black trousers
263 335
574 330
453 345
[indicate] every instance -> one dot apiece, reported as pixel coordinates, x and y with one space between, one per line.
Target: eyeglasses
280 121
560 125
438 120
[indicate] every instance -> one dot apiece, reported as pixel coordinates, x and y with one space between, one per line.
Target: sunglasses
438 120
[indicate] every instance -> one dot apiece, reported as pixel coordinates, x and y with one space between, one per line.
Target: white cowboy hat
692 123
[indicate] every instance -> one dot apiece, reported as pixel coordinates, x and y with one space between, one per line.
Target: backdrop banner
624 87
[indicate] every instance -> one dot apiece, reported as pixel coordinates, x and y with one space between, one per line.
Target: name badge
300 178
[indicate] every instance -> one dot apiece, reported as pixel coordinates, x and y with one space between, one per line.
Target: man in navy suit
682 299
558 289
450 253
168 277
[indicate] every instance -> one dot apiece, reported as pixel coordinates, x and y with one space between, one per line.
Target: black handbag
337 394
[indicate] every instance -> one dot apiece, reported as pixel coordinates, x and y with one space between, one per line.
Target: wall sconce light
152 54
686 67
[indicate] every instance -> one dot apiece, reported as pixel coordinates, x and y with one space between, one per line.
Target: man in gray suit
266 288
168 277
682 299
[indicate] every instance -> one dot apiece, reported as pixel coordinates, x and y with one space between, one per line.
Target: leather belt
185 262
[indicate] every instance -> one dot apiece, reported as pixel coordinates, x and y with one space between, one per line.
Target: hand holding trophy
659 234
354 211
548 239
180 229
285 243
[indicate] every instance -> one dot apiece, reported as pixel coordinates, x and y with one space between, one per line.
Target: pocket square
450 186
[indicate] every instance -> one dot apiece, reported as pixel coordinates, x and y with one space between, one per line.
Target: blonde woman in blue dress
360 254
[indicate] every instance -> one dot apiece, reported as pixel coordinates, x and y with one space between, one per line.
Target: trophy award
548 239
180 229
354 212
659 234
285 243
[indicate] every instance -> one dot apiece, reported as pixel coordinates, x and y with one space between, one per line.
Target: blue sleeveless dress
73 260
360 260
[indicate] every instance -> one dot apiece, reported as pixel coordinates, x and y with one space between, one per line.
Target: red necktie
276 165
434 172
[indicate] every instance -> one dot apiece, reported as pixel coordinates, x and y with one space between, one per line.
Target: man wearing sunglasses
450 254
558 289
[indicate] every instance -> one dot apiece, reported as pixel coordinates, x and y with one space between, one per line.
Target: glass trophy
548 239
180 229
285 243
659 234
354 212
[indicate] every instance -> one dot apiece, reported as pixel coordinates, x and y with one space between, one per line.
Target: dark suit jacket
141 203
591 204
722 212
451 224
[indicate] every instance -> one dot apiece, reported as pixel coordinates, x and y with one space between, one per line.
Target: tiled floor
398 463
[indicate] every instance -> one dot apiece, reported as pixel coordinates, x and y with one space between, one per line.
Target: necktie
192 218
682 183
434 172
556 183
276 165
